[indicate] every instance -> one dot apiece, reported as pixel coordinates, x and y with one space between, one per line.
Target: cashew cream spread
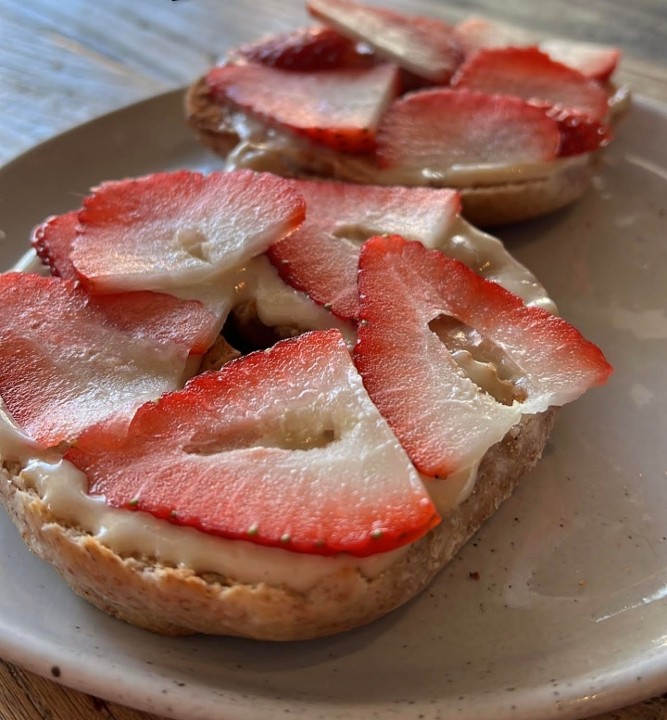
64 488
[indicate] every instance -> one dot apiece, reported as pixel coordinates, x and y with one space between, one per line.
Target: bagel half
186 565
179 601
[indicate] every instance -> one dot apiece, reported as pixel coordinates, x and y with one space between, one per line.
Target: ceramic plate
555 610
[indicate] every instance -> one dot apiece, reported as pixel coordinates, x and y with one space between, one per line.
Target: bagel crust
178 601
513 202
485 206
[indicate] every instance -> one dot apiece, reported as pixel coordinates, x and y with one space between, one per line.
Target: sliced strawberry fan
441 416
281 447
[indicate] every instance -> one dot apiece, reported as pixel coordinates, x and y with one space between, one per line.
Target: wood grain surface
64 62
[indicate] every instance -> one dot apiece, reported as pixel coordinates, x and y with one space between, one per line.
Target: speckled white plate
556 610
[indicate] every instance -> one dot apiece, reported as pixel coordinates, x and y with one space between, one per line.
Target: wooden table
65 61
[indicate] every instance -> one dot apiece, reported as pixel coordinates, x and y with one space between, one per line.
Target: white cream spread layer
64 488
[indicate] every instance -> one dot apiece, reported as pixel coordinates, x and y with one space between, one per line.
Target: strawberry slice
597 62
64 363
52 241
477 33
337 108
282 447
429 325
307 50
170 230
427 47
430 131
321 257
161 318
532 75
